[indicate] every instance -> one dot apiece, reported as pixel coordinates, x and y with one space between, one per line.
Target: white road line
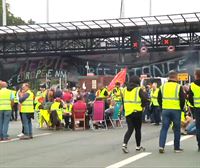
182 139
129 160
17 139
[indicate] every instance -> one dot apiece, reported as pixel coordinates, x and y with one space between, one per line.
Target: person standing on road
154 104
194 99
172 100
134 102
6 103
27 110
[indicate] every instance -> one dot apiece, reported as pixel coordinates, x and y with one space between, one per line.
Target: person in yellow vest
154 104
134 102
171 99
6 103
14 115
194 99
67 113
26 100
56 113
102 93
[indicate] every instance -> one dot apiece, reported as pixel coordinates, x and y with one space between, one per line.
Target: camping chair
98 113
79 115
115 116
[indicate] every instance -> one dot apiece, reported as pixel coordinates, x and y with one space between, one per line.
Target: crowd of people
170 104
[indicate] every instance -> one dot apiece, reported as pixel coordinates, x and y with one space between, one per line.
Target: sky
77 10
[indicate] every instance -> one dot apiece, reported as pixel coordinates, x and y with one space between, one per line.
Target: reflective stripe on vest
170 95
5 102
117 95
154 96
196 91
27 105
55 106
68 108
132 101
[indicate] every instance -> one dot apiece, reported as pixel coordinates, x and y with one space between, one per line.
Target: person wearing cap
134 102
194 99
6 103
171 99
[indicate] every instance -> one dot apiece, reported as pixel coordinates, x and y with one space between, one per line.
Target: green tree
11 19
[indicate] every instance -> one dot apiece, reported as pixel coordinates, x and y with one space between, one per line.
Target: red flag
120 77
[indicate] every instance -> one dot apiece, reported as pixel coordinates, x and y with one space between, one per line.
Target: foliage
11 19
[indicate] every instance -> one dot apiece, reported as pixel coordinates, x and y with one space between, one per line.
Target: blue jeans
169 116
26 121
197 117
4 123
191 128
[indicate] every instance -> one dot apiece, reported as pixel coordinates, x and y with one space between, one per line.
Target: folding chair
98 113
79 115
115 116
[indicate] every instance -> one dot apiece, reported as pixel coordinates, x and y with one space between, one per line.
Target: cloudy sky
73 10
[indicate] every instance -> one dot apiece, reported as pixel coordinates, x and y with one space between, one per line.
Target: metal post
47 10
150 7
4 12
122 9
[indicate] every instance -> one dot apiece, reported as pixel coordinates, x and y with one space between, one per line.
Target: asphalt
99 148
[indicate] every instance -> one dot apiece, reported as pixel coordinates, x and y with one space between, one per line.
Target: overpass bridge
110 43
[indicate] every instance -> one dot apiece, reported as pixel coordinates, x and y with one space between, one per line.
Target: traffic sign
183 76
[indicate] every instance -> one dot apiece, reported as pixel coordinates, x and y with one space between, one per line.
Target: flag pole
4 12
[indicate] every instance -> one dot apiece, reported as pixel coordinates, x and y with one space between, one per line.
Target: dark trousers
197 117
20 114
14 112
54 119
67 123
156 114
134 121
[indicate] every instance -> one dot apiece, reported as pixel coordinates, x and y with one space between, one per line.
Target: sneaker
178 150
161 150
124 149
20 135
140 148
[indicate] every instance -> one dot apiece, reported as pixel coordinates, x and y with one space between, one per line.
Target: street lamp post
4 12
150 7
47 10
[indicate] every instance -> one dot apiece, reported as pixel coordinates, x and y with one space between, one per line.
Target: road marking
129 160
17 139
182 139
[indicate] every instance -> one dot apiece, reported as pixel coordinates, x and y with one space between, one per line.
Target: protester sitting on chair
109 111
78 106
56 110
67 113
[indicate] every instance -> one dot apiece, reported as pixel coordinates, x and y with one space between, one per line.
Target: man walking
194 99
172 100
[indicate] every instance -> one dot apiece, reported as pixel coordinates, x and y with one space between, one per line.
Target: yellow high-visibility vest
5 102
196 91
27 105
132 101
154 96
55 106
68 108
170 95
117 96
100 93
